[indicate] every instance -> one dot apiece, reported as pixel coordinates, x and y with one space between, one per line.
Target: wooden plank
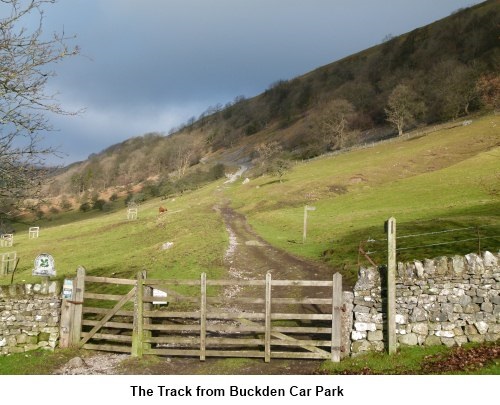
245 283
336 317
235 329
310 317
168 314
278 301
111 325
210 328
169 282
77 315
238 353
210 353
300 301
235 315
301 283
104 297
180 340
170 328
95 310
203 315
301 329
322 354
108 336
267 338
210 341
108 280
109 315
107 348
172 298
301 343
217 315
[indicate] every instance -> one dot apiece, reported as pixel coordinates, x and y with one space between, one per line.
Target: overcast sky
150 65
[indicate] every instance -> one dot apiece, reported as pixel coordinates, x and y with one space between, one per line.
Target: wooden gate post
203 316
65 326
336 317
391 284
138 331
148 306
267 336
77 310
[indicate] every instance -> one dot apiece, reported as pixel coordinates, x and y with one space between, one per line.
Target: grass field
109 244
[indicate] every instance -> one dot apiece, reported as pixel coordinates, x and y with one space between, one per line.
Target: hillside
434 182
444 66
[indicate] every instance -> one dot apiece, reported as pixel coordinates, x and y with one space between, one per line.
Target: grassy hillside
431 182
109 244
445 180
441 64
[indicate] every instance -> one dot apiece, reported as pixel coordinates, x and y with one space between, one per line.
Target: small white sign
44 265
159 294
67 292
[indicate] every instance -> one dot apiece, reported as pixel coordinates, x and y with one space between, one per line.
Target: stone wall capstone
29 317
446 300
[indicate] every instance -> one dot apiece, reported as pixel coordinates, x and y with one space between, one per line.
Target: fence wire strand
425 233
438 244
447 243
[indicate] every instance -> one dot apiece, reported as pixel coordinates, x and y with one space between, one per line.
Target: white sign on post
44 265
159 294
67 292
304 231
33 232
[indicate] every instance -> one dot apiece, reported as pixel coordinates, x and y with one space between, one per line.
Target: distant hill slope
335 106
442 186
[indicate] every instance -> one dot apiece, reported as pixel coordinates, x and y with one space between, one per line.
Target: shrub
85 207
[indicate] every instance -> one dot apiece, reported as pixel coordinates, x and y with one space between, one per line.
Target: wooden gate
266 319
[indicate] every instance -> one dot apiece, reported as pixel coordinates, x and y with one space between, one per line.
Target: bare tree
334 122
26 59
403 107
268 150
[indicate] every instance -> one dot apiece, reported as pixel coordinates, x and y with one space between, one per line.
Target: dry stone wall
447 300
29 317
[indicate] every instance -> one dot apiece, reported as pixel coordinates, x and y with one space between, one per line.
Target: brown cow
161 210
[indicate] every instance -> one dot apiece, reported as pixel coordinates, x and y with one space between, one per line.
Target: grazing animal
161 210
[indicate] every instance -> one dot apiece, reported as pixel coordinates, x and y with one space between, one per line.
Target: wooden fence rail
267 319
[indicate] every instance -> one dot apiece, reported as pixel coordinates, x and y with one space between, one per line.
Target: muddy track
254 257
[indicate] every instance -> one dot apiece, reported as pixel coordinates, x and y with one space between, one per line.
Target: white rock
489 259
401 319
482 327
445 333
365 326
355 335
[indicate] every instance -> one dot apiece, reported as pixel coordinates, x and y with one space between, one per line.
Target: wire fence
425 238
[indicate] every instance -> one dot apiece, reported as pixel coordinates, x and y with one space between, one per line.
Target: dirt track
248 257
253 257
